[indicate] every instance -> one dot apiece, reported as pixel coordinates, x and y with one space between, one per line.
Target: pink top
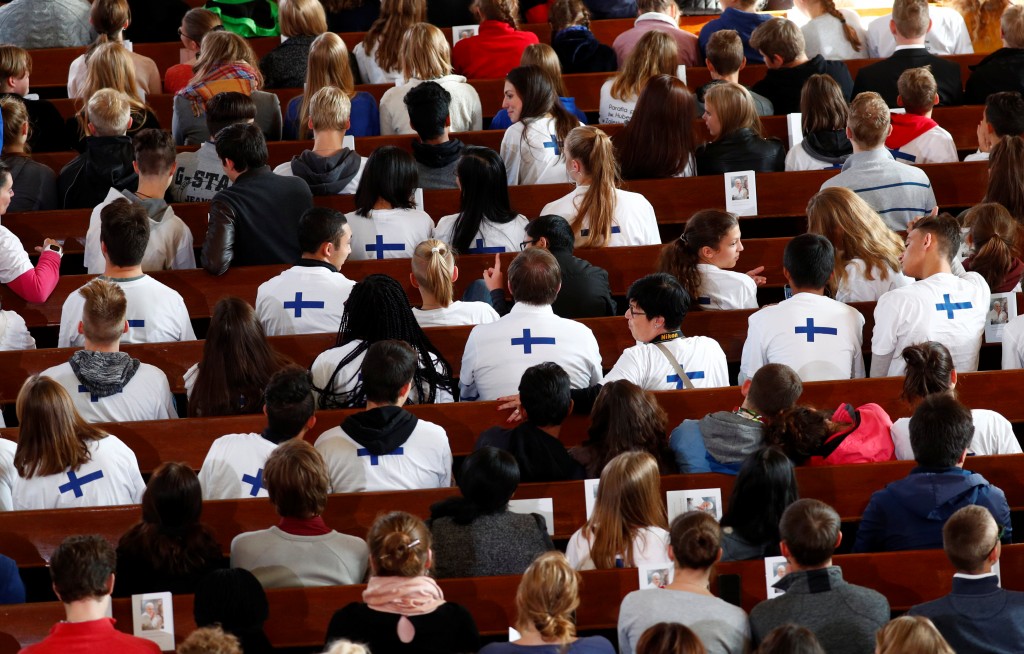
689 50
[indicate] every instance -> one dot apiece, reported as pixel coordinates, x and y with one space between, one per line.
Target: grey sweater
722 627
497 544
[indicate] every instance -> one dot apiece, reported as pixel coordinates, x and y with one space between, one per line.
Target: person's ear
671 553
892 27
789 279
430 560
839 539
899 101
131 121
309 124
110 584
348 124
935 100
264 409
311 422
81 327
784 549
888 131
707 64
963 457
745 388
706 252
91 129
54 587
572 404
952 378
542 243
996 552
743 64
719 556
135 167
24 129
125 327
412 280
849 134
455 273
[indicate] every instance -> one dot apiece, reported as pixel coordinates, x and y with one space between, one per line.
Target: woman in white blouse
379 55
832 33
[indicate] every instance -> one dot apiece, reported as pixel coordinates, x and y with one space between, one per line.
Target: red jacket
493 52
93 637
868 439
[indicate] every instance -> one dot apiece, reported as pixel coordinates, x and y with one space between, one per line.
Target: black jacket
284 67
783 85
741 150
830 147
47 125
356 19
579 51
882 76
585 292
600 9
105 164
1003 70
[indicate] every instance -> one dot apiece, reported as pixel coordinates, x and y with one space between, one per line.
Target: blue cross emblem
704 299
380 246
615 230
256 482
949 307
897 154
674 379
811 330
92 396
480 249
375 458
136 323
528 341
298 305
75 482
553 143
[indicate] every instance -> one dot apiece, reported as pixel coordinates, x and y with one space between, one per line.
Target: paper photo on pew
681 73
655 575
545 506
795 125
460 32
741 193
775 568
153 619
997 573
349 142
708 500
1002 309
590 494
417 198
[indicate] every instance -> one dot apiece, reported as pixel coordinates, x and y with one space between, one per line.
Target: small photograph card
655 575
796 129
1002 308
999 575
708 500
681 73
590 493
542 505
460 32
417 197
741 193
349 142
153 619
775 568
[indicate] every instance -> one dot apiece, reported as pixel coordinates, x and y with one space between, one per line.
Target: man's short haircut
330 108
911 17
725 51
124 231
544 393
104 312
940 430
869 119
556 230
810 260
387 367
109 111
296 478
1004 111
660 295
154 152
534 277
228 108
1012 25
778 36
242 143
428 107
917 89
657 6
319 225
81 566
810 529
968 537
774 388
289 402
946 230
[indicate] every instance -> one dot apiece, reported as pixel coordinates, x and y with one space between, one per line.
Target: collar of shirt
917 46
314 526
315 263
523 307
867 157
656 15
122 280
964 575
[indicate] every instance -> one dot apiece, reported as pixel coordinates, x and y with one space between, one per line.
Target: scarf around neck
405 596
104 373
238 77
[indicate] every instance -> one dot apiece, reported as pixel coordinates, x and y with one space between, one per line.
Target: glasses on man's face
634 313
522 246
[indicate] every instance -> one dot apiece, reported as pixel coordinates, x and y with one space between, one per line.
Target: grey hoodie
729 437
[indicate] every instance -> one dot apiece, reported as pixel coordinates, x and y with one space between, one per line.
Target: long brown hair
593 149
539 100
1006 176
543 56
656 53
658 140
822 105
108 18
52 437
387 34
929 371
705 228
626 418
993 233
328 66
505 11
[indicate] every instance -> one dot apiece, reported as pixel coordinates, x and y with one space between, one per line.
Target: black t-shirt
448 630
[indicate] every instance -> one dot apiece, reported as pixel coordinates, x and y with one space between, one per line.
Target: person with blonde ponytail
832 33
992 236
548 596
695 548
403 609
110 18
434 273
599 212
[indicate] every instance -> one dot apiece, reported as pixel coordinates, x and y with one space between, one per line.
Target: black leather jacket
741 150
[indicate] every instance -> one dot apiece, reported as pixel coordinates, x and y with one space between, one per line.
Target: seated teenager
737 141
35 184
823 116
655 54
947 31
764 489
301 21
498 46
543 57
436 153
379 54
532 147
991 238
725 59
33 284
199 175
110 18
742 17
1003 116
1000 71
832 33
658 16
577 48
434 273
195 24
46 126
915 137
818 438
659 141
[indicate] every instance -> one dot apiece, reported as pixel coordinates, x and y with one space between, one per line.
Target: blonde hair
15 117
548 594
544 57
383 41
104 312
426 54
911 17
346 647
735 108
856 232
14 62
656 53
433 266
109 112
869 119
328 66
302 18
223 47
595 152
628 500
210 640
399 545
110 66
911 634
1012 26
330 108
917 89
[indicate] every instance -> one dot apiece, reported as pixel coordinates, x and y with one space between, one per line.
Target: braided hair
376 310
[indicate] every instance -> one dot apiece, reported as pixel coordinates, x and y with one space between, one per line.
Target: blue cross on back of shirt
380 246
75 482
949 307
137 323
528 341
704 299
906 156
299 304
256 482
480 249
553 143
674 379
375 458
615 230
811 330
92 396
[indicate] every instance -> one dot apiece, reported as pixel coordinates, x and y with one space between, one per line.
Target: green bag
247 18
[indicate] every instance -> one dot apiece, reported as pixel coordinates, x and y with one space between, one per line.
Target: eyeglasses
634 313
522 246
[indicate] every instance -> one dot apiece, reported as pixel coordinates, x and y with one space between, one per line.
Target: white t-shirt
456 313
170 240
324 365
798 159
993 434
303 300
13 259
613 110
491 237
725 290
819 338
423 461
285 170
497 355
977 156
700 357
7 473
156 314
464 110
14 334
947 36
934 146
147 396
634 222
1013 344
825 36
370 71
388 233
943 308
233 468
858 288
533 156
650 545
110 477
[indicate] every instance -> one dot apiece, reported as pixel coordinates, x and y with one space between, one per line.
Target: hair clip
413 544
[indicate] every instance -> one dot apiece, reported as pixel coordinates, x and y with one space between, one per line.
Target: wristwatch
56 248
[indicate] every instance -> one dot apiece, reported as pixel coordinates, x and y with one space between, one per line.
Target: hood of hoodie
104 373
437 155
935 493
575 42
326 175
108 161
381 430
830 146
730 437
155 208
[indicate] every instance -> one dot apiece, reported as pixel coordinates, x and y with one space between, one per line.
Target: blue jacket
744 22
365 117
12 590
502 121
978 616
909 514
718 442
